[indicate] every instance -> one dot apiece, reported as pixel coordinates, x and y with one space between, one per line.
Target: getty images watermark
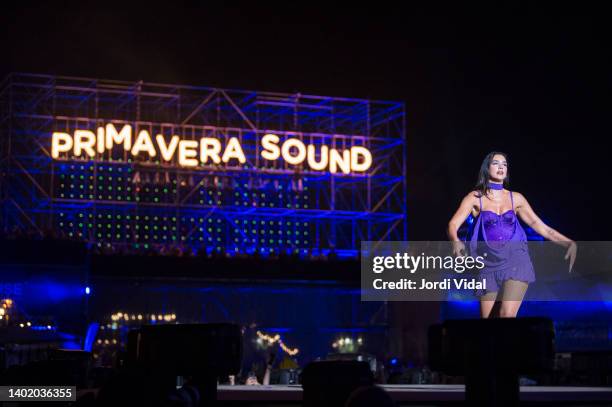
430 271
412 264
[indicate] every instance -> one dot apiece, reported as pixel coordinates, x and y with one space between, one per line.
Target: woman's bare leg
487 302
513 292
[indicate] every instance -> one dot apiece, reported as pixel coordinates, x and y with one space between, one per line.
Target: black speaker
187 349
330 382
491 353
523 344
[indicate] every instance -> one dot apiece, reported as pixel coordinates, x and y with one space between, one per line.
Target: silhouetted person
368 396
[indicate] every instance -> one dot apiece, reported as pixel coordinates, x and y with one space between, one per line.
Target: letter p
60 143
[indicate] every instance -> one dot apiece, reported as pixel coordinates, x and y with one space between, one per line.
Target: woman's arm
523 209
466 206
527 215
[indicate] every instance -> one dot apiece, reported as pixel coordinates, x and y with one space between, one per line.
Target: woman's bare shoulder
473 195
471 198
518 198
517 195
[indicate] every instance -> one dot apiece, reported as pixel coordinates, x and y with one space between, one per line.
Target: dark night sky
515 79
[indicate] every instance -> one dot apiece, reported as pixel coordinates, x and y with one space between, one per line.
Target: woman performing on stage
508 269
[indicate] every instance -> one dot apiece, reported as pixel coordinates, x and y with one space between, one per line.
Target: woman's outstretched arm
527 215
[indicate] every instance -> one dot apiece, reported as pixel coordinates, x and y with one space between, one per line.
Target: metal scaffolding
117 199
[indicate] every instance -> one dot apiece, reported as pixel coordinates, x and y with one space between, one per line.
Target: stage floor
423 393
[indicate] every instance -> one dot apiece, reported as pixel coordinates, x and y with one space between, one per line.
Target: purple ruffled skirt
510 263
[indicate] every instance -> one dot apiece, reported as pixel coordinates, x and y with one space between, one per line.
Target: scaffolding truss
266 206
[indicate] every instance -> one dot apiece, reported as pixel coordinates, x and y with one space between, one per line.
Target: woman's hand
458 248
571 254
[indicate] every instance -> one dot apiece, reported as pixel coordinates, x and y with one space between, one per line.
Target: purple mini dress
504 241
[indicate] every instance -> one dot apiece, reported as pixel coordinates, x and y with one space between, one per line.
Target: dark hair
482 185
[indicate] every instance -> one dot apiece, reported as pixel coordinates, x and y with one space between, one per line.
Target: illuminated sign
209 150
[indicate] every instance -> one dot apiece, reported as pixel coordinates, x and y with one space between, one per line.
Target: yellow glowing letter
167 151
233 150
356 151
343 162
210 147
84 140
188 150
60 143
312 159
269 143
100 140
124 136
286 151
143 143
